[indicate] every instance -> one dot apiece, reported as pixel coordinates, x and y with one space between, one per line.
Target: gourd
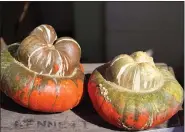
43 72
133 93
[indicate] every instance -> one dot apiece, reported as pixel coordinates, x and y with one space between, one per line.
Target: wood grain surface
82 118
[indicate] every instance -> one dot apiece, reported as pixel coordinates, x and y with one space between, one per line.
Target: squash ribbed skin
44 53
39 92
134 110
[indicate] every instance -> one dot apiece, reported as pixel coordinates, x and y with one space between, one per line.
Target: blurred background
105 29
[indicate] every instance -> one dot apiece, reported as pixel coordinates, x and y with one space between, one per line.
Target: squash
133 93
43 72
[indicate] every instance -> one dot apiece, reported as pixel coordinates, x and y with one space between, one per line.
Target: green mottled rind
15 76
170 95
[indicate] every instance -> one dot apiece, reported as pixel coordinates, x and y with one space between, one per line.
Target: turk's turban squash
43 72
134 93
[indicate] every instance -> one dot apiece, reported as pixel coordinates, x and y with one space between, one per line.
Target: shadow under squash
86 111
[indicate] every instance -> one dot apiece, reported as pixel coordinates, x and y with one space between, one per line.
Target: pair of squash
44 73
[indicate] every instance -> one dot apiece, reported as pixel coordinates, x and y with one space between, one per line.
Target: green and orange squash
133 93
43 72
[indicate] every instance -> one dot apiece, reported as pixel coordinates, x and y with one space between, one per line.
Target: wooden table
83 118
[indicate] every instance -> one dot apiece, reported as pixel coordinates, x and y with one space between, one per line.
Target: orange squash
132 92
43 72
